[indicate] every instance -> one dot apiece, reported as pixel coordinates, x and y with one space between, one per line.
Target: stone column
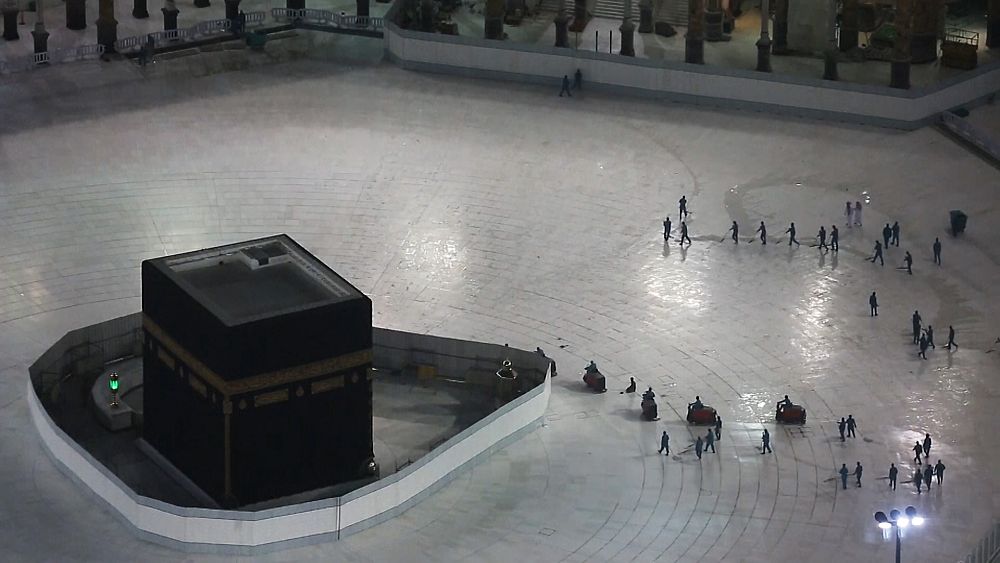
9 9
627 30
713 21
170 12
76 14
849 26
233 10
780 44
764 43
923 41
900 67
107 25
139 10
39 34
493 22
562 26
645 16
993 24
831 53
694 41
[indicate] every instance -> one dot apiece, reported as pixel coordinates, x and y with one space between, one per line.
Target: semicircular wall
241 532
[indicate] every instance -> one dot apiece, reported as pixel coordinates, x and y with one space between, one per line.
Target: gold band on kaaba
256 382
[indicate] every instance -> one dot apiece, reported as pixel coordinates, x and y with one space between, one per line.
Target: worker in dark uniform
937 251
631 385
951 338
648 393
895 233
822 237
928 476
918 451
834 238
666 228
878 253
858 470
927 445
697 447
843 475
886 235
908 261
873 302
893 472
923 347
842 426
918 479
710 440
851 426
718 427
736 232
916 327
684 233
682 206
930 337
791 235
766 442
939 471
763 233
664 443
565 87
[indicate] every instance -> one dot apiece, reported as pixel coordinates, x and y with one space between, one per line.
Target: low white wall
695 83
228 531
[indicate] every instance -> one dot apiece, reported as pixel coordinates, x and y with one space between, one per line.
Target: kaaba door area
257 370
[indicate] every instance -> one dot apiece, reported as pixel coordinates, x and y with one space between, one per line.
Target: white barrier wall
692 83
230 531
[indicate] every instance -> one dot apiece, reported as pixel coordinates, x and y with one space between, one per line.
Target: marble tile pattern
501 212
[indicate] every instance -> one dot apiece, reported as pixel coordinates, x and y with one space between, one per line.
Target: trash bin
958 220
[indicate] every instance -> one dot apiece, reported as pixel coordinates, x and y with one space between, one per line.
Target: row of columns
907 25
107 25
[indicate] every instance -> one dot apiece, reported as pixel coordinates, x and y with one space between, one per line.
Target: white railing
326 17
307 15
28 62
254 18
196 31
988 550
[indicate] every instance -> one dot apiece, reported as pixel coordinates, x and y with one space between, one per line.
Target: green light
113 382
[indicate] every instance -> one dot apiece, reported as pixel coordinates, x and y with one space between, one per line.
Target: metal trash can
958 220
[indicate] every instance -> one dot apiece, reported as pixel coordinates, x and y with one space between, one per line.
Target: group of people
924 337
922 475
701 445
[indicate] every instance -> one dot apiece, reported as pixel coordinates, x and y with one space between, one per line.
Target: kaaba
257 370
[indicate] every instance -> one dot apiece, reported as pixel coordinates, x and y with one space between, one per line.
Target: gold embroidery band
198 386
270 398
326 384
256 382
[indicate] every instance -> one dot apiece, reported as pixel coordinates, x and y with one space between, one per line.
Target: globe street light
898 521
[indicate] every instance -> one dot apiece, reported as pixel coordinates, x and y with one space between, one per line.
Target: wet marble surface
503 213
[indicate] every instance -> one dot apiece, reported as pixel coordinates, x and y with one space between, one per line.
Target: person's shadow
684 253
834 260
822 258
666 248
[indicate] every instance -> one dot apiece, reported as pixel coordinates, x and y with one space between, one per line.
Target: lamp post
897 521
113 386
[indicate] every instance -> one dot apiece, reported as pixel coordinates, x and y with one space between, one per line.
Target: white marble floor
502 212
